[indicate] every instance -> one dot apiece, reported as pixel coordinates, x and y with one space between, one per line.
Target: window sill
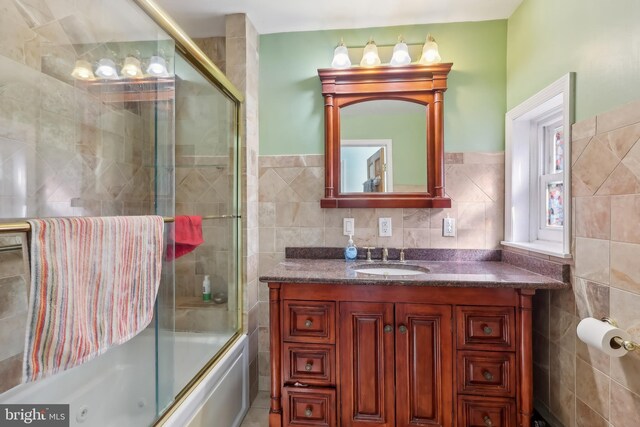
541 247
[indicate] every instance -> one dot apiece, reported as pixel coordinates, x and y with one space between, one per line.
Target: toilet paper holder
627 345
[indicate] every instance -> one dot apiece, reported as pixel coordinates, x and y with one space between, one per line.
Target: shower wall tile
625 214
14 282
591 384
625 268
11 264
10 372
625 406
13 296
605 278
242 67
593 217
587 417
12 335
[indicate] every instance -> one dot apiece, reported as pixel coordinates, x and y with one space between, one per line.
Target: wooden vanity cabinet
385 356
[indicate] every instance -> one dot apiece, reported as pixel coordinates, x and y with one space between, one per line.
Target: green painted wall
291 106
408 142
599 40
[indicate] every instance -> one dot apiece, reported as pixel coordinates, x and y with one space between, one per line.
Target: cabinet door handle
308 366
308 323
308 412
403 329
487 330
487 421
487 375
388 328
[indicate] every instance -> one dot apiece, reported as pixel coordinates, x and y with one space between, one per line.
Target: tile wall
204 123
242 60
290 215
13 309
62 150
578 385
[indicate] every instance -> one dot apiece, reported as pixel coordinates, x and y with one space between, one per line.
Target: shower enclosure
104 113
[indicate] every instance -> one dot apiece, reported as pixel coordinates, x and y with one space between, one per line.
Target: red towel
188 236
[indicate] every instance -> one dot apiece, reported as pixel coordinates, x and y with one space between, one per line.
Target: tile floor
258 415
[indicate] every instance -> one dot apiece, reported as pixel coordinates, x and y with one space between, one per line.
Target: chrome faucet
368 248
385 254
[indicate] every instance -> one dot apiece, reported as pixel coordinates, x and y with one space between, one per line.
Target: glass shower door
206 174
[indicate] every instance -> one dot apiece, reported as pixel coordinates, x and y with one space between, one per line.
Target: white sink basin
391 269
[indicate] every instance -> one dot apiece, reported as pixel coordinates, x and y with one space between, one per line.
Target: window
547 194
537 166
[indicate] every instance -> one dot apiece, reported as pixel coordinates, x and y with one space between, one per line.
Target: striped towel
93 285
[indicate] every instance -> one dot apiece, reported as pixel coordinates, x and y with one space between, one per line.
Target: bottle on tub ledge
351 251
206 289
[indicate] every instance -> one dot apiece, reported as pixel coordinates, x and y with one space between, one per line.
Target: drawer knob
308 366
487 330
487 421
308 412
487 375
388 328
308 323
403 329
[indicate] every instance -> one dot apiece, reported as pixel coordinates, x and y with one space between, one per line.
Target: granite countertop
441 273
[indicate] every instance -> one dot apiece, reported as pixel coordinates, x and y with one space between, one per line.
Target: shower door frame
198 59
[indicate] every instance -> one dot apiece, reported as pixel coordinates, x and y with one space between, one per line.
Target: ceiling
205 18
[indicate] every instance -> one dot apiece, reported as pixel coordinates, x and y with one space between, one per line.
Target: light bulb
400 54
430 54
341 57
157 67
82 70
107 69
370 56
131 68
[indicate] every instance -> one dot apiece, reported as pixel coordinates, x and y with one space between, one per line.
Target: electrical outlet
348 226
449 227
384 227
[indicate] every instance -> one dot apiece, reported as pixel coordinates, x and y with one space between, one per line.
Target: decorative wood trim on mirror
422 84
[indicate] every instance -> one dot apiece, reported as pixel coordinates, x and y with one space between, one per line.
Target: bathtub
118 389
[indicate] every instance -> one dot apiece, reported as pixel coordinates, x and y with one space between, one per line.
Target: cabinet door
366 364
424 363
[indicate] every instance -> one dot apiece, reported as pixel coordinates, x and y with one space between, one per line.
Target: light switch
348 226
449 227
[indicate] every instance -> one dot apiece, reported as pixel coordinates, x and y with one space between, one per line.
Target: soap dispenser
350 252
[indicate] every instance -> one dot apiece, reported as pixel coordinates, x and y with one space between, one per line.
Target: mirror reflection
383 147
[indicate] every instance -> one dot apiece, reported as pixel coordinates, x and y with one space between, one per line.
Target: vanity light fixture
400 53
157 67
341 57
82 70
430 53
131 68
370 56
107 69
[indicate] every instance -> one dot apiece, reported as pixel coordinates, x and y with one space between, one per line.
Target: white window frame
525 167
542 156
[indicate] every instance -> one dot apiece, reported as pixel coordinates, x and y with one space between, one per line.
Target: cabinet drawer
486 328
309 407
485 373
486 412
309 321
312 364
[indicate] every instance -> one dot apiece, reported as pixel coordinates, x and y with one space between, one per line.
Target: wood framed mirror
384 136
